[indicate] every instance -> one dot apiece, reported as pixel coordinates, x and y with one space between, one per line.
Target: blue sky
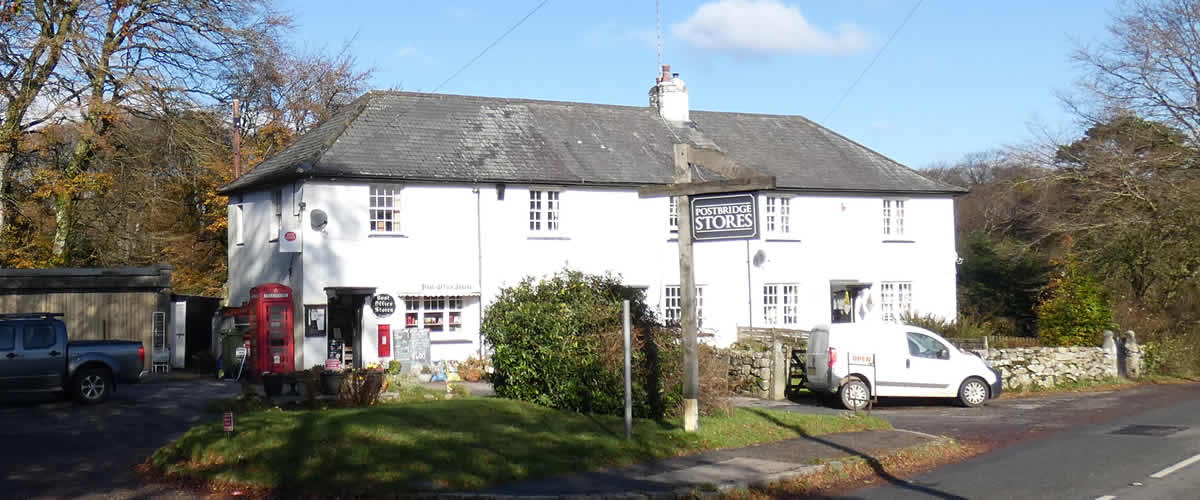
962 76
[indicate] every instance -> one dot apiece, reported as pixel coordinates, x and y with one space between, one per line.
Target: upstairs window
893 219
385 209
781 304
673 305
779 215
544 211
277 214
673 214
896 299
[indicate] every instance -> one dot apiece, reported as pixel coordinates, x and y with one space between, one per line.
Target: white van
860 361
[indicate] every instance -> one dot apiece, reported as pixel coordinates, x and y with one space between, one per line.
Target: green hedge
558 343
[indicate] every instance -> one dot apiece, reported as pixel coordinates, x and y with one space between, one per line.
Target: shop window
672 307
385 209
896 300
438 314
781 304
893 219
545 210
778 215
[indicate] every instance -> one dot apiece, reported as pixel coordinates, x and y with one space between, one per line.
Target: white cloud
764 27
406 52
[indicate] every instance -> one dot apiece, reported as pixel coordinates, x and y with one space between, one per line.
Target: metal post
687 299
628 379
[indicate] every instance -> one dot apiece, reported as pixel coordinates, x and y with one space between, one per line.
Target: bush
473 369
558 343
1074 310
965 327
394 367
361 387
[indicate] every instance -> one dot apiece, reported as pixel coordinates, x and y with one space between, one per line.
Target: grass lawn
457 443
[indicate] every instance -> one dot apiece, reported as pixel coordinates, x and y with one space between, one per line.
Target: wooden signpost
738 180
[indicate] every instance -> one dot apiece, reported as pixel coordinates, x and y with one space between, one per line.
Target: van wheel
855 395
973 393
92 385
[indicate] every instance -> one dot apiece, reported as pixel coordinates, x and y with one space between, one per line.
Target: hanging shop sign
383 305
724 216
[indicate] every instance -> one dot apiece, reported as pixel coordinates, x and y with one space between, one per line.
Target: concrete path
737 466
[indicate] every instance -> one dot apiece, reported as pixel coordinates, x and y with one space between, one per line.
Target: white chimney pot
673 100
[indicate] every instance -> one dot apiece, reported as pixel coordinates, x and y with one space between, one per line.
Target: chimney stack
669 96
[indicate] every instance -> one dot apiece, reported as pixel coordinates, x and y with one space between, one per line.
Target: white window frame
276 216
672 214
380 213
673 307
446 308
781 304
777 215
893 218
544 216
895 299
239 225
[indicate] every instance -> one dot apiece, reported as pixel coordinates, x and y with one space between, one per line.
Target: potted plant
331 381
272 384
426 374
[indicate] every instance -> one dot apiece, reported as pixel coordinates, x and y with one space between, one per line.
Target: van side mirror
943 354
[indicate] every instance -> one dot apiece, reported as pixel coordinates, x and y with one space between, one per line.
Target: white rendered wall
834 237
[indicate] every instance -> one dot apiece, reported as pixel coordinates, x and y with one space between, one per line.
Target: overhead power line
849 89
490 45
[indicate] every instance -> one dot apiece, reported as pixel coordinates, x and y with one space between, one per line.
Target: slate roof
454 138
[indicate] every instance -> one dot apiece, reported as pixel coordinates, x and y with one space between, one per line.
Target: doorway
850 301
344 334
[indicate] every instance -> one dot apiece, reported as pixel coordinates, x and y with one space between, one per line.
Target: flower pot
272 385
331 383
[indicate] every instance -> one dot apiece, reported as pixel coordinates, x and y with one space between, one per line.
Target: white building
439 201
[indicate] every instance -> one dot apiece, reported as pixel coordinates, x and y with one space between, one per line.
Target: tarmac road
59 449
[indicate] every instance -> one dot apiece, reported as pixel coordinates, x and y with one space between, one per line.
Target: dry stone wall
750 372
1028 367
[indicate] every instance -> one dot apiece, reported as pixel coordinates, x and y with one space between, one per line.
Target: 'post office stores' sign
725 216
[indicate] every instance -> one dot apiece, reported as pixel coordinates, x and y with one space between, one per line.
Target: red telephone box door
385 341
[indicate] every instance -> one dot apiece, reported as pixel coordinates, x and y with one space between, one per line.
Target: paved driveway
58 449
1006 421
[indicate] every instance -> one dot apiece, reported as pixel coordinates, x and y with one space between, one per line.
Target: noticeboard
411 347
724 216
314 321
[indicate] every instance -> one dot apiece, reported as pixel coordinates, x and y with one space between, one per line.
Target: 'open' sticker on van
862 359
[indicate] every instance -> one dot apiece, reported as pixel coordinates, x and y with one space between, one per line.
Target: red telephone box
271 328
385 341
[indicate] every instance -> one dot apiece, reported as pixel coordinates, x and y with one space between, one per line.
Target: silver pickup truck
35 356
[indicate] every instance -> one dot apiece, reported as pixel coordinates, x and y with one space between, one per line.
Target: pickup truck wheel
92 385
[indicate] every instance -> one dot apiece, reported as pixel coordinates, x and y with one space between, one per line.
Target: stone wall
1028 367
750 372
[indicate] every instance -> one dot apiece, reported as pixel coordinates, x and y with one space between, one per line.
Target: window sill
546 237
898 240
387 235
783 238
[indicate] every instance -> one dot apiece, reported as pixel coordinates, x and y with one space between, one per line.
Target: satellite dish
759 258
318 219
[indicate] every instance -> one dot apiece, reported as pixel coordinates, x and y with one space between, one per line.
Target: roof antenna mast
658 31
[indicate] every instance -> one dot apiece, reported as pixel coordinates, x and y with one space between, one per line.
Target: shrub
361 387
473 369
394 367
1074 310
458 390
964 327
558 343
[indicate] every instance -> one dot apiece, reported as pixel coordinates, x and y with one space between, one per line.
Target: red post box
385 341
271 328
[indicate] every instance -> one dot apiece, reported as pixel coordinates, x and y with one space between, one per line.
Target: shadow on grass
454 444
873 462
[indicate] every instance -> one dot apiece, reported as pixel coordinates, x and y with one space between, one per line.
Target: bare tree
1151 66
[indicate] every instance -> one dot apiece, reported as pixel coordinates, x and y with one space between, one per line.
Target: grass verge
453 444
1097 385
852 473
